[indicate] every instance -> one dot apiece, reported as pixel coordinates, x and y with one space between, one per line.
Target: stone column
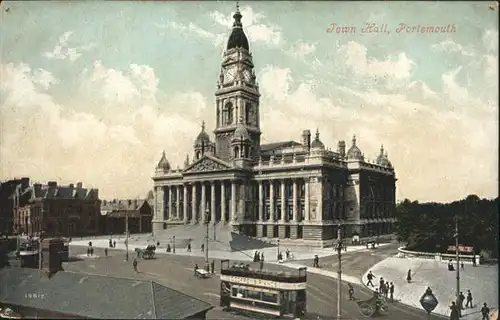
283 201
271 200
261 202
170 204
203 209
306 199
295 200
233 200
223 201
177 201
212 200
185 203
242 202
193 203
159 210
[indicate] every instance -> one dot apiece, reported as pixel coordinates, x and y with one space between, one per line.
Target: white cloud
490 40
454 91
355 56
451 46
62 51
48 141
216 39
44 78
301 49
490 65
415 123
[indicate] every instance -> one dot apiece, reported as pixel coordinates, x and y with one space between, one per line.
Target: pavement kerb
396 302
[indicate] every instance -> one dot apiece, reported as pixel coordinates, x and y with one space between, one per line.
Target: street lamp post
457 252
429 302
339 272
173 244
278 256
207 265
126 237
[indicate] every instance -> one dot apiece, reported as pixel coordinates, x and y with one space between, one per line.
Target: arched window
198 155
248 113
236 152
229 110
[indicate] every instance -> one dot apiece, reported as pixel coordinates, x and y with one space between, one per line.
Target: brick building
114 212
7 202
58 210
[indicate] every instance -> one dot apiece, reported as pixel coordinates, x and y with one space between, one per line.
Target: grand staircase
225 238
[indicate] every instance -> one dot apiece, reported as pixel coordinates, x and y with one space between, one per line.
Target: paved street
176 272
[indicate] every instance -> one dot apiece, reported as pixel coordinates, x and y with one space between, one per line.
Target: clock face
229 74
247 75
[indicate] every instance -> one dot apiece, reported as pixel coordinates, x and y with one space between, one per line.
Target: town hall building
300 191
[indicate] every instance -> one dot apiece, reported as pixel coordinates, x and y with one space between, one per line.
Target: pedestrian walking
261 265
135 265
212 266
189 247
485 311
106 252
381 286
195 268
316 261
262 256
454 311
469 299
202 247
408 277
462 265
114 244
391 291
474 261
351 292
386 290
461 300
370 277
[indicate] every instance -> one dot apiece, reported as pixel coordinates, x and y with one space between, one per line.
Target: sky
94 91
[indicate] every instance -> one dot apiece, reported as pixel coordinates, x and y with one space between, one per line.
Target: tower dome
203 138
354 152
317 144
163 164
237 39
382 159
241 132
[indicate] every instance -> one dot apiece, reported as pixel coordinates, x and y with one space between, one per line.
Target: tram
263 292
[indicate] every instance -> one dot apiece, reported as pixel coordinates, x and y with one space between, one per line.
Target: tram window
253 295
269 297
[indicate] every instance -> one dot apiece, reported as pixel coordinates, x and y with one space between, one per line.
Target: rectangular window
269 297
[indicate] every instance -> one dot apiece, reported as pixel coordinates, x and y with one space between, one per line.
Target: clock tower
237 132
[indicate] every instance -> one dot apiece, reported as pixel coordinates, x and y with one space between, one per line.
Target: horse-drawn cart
147 253
373 306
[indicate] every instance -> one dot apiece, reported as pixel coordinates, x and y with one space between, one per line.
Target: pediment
207 164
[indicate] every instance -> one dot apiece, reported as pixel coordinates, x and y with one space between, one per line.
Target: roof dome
317 144
382 159
241 132
354 152
163 164
203 137
237 39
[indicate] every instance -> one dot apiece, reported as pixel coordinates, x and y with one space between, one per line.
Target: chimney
79 185
71 185
306 139
52 184
341 148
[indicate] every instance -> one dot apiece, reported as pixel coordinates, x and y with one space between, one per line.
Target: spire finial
317 133
382 149
203 125
237 16
163 153
354 139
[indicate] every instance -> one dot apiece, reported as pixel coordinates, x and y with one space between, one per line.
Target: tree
430 226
